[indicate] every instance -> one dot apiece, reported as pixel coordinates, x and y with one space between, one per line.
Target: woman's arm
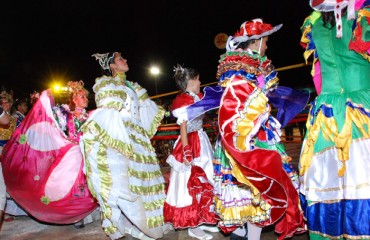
183 133
187 151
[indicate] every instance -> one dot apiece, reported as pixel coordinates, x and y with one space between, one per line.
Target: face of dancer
119 64
260 42
194 85
23 108
5 104
81 100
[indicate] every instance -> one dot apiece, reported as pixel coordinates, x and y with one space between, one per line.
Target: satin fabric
334 163
43 170
244 120
210 100
121 165
189 201
289 102
193 140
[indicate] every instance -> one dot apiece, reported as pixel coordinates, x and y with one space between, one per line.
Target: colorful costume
254 181
43 169
335 157
19 116
6 132
189 200
121 165
2 184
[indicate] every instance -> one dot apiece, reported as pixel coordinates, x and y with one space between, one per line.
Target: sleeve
360 41
306 40
1 112
179 107
151 114
310 49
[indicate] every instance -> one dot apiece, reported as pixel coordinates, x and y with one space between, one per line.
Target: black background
42 42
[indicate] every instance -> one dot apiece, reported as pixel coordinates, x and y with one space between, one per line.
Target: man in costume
254 181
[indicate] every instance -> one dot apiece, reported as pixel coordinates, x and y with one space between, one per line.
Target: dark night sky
45 40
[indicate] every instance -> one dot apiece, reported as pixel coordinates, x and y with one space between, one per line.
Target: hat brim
240 39
326 5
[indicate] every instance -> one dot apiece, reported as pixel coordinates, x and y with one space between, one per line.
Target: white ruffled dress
121 165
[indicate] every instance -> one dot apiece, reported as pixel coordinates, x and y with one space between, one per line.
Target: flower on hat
7 96
76 86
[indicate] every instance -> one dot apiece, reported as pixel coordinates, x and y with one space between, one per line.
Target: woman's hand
188 155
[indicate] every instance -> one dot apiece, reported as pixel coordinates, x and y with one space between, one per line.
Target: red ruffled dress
189 201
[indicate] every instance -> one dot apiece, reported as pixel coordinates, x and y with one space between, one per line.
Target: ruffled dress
43 169
121 165
254 181
189 201
335 157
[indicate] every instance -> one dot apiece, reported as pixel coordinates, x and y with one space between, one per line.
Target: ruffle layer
327 128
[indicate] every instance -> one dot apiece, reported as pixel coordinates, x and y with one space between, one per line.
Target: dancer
254 181
6 130
70 118
19 110
121 166
335 156
189 202
4 120
53 186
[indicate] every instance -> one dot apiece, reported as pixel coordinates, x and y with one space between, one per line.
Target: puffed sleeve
151 114
179 107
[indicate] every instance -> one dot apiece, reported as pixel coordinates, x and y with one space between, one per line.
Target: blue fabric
360 108
3 142
289 103
211 100
334 219
241 72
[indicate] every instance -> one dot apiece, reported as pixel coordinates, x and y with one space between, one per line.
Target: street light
155 72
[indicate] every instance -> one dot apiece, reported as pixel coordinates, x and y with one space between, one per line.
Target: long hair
328 18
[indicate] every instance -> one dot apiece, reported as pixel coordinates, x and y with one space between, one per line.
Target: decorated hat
76 86
337 6
250 30
7 96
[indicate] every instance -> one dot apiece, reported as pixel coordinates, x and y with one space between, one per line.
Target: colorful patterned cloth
43 169
335 158
254 181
